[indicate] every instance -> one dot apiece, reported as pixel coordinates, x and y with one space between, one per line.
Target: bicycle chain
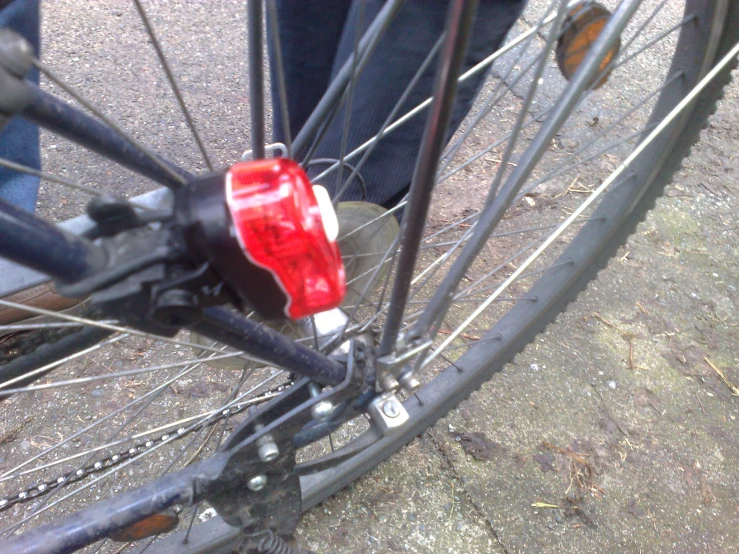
22 343
44 488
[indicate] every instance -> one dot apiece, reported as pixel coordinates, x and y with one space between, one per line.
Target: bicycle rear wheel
672 49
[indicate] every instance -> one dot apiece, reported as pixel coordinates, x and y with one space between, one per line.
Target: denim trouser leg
19 141
388 171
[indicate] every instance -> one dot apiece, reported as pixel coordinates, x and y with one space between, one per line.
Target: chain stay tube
266 344
104 518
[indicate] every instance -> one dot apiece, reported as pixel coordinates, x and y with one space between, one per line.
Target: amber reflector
148 527
582 27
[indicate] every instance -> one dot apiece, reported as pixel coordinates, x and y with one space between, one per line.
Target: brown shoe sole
42 296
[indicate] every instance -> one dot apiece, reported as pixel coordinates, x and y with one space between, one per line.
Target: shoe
364 238
41 296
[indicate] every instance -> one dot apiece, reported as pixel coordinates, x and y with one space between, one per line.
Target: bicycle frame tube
49 112
459 23
37 244
259 340
108 516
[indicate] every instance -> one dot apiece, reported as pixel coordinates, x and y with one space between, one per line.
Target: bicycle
289 419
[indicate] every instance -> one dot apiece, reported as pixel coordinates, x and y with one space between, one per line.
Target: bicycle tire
481 362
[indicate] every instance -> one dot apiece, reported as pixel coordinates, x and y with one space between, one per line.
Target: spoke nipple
257 483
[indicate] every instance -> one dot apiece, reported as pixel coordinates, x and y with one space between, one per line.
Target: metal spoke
117 468
481 66
172 82
48 177
654 41
171 427
534 119
103 419
97 113
44 504
34 326
91 379
350 100
390 118
676 111
492 101
335 95
43 369
118 328
497 204
280 73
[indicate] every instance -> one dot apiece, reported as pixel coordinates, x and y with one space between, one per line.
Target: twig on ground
734 389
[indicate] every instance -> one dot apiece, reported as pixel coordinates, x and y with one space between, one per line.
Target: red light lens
278 225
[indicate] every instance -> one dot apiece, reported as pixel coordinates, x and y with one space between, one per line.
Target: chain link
44 488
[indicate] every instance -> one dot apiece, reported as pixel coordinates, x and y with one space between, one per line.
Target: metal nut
268 450
409 382
389 383
322 410
257 483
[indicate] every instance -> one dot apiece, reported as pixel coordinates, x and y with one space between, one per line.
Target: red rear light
278 224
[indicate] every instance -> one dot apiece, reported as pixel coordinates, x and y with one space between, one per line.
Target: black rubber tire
590 251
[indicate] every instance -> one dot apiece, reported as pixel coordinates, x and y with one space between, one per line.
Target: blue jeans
316 37
19 141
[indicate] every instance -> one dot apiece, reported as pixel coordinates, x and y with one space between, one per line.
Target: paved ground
612 432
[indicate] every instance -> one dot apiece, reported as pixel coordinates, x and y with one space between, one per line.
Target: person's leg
310 31
19 140
388 171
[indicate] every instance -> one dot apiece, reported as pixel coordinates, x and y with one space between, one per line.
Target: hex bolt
409 382
391 408
323 410
257 483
